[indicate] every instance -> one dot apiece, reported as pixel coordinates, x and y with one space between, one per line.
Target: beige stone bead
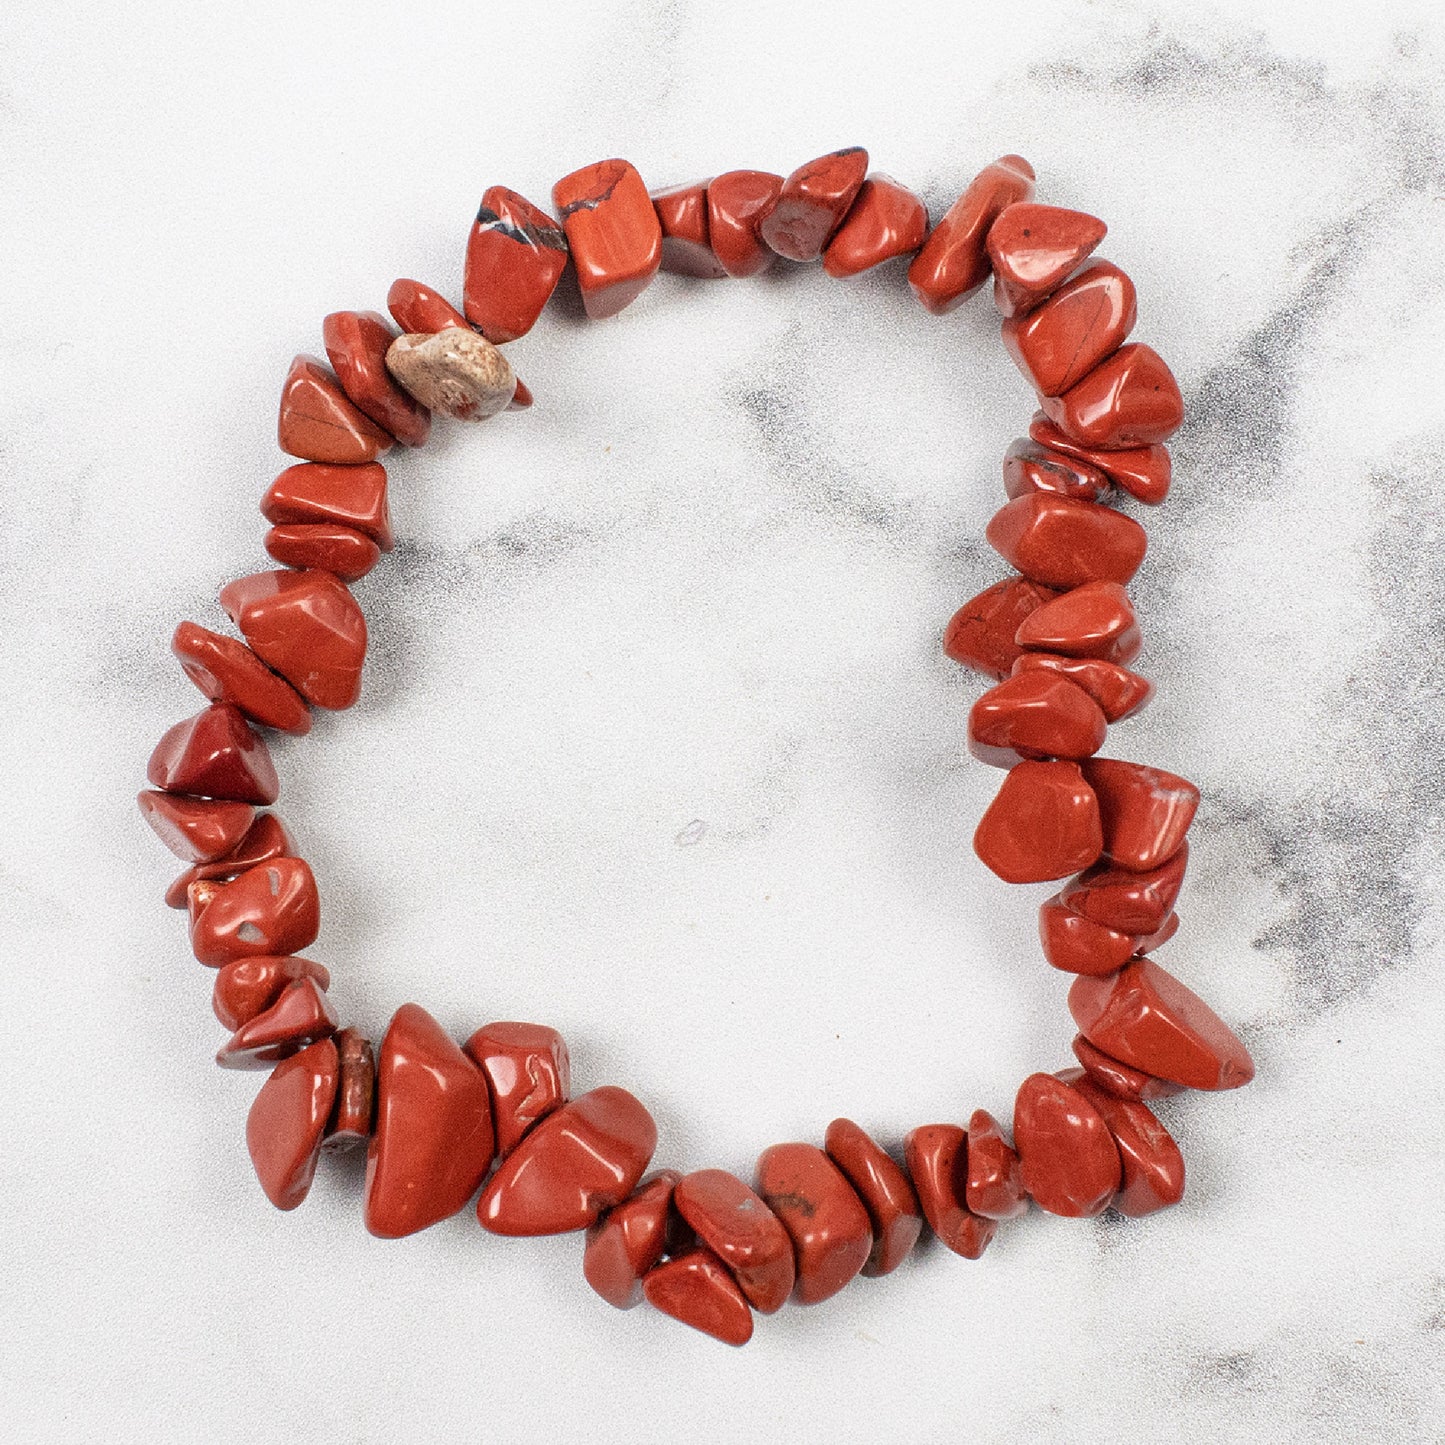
453 371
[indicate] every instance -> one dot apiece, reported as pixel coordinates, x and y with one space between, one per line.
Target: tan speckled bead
454 372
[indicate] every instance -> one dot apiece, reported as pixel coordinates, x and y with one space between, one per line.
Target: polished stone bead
287 1120
312 492
1034 249
1144 1017
1044 824
1063 543
516 254
521 398
937 1158
454 372
1152 1166
812 203
267 838
1130 902
215 754
993 1186
1086 320
1067 1159
417 308
228 671
954 259
628 1240
733 1222
1146 812
682 214
1143 472
1034 715
353 1114
1119 1079
1130 400
301 1015
1094 620
580 1160
1029 468
272 909
529 1073
432 1144
887 1195
307 626
831 1233
249 986
613 232
1077 944
195 829
886 220
319 423
1119 692
356 345
696 1289
981 634
737 203
346 554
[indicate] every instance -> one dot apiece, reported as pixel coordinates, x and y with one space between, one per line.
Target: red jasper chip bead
215 754
891 1202
1143 472
937 1158
355 1108
1085 320
733 1222
613 232
271 909
319 423
629 1240
1077 944
831 1233
682 214
356 344
1043 825
1034 715
1144 1017
1119 692
301 1015
528 1071
1063 543
1130 400
993 1185
287 1120
586 1157
418 309
1094 620
195 829
228 671
886 220
516 254
1146 812
1067 1158
1151 1164
812 203
737 203
696 1289
432 1145
982 633
266 839
312 492
347 555
1119 898
1034 249
247 987
954 259
1119 1079
1029 468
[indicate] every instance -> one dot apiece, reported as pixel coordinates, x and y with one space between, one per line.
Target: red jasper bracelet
1057 638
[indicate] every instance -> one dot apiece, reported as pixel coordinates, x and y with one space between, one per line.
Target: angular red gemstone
613 232
346 554
1029 468
1119 692
696 1289
1152 1166
287 1120
1034 249
1130 902
228 671
682 214
356 343
742 1231
812 203
993 1185
1094 620
215 754
529 1072
629 1240
1077 944
1086 320
1143 472
319 423
937 1158
195 829
886 220
1130 400
1146 812
881 1184
419 309
737 203
266 839
1067 1158
301 1015
1062 542
1044 824
981 634
1117 1078
247 987
831 1234
1034 715
516 254
354 1113
343 496
271 909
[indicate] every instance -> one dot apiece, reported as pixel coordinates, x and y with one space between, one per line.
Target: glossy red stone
682 214
937 1158
954 259
1029 468
1117 1078
228 671
812 204
516 254
831 1233
1119 898
249 986
613 232
215 754
354 1112
346 554
195 829
982 633
1152 1166
1094 620
1077 944
287 1120
737 203
417 308
1044 824
1144 1017
272 909
696 1289
886 220
356 343
307 626
301 1015
1034 715
993 1185
318 422
1034 249
1143 472
528 1071
267 838
352 497
1067 1159
1149 942
733 1222
881 1184
1063 543
629 1240
432 1144
1130 400
1086 320
1146 812
1119 692
584 1158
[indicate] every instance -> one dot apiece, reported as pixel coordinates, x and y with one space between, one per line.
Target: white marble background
658 744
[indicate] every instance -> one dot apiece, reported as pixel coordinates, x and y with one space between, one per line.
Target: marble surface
657 743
